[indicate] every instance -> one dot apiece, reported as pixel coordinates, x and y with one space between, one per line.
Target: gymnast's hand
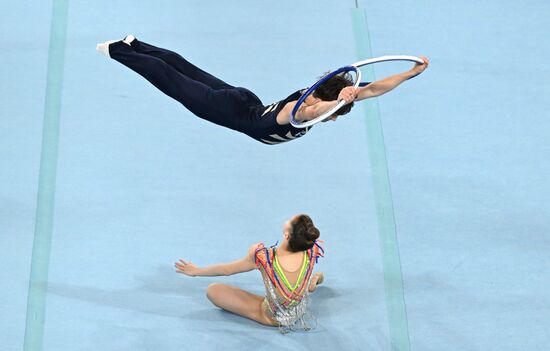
348 94
420 67
186 267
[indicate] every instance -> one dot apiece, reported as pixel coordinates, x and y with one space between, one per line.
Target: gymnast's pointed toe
103 48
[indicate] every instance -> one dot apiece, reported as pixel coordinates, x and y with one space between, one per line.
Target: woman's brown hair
330 89
303 235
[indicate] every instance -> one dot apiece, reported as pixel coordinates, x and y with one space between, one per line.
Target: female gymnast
238 108
286 271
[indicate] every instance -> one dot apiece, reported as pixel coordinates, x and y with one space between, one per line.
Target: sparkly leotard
287 303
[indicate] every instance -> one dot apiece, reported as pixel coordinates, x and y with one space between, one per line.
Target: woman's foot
104 47
129 39
316 279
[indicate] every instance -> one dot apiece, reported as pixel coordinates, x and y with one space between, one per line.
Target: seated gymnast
287 273
238 108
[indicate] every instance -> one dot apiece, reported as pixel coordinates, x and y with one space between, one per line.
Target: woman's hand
420 67
187 268
348 94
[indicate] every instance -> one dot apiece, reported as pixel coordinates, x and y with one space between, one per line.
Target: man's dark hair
330 89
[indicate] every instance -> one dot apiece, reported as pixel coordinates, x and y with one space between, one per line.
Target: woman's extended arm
309 112
306 113
350 94
382 86
244 264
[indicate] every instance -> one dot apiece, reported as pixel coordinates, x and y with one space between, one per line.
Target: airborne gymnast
238 108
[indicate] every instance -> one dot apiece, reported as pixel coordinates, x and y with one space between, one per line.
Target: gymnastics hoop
353 67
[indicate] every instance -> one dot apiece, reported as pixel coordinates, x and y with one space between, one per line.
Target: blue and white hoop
353 67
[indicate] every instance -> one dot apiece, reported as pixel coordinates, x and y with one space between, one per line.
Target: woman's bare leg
235 300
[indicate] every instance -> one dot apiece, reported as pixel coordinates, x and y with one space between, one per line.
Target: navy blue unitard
205 95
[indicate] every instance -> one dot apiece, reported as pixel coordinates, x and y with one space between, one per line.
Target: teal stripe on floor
40 261
393 281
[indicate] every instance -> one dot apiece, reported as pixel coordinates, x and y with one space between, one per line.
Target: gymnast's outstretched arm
382 86
244 264
309 112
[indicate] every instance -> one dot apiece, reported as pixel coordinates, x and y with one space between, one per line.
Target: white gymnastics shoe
129 39
104 47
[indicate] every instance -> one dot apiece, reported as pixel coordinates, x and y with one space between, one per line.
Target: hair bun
304 234
312 233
